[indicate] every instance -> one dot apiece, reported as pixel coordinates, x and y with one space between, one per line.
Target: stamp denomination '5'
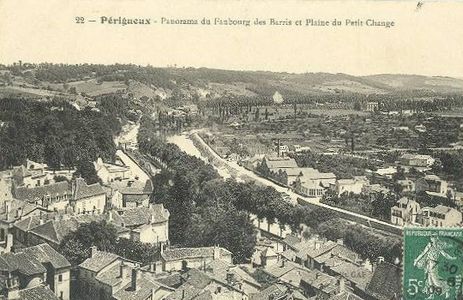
433 263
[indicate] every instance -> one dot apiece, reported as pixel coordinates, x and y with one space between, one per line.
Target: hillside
184 85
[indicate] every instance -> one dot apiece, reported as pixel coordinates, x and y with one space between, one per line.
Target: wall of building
64 285
90 204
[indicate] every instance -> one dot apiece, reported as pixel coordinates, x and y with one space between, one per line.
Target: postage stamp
433 263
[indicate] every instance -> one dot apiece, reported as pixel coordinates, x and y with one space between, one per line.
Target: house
387 172
268 256
176 259
109 172
130 193
371 106
278 291
407 185
405 212
106 275
234 276
433 184
12 211
441 216
146 224
31 174
12 292
87 198
36 267
198 284
53 227
272 163
386 282
354 185
54 196
313 183
416 160
60 196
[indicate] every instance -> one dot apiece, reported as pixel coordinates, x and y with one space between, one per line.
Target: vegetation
76 245
54 132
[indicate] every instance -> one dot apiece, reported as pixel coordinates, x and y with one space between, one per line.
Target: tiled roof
275 289
280 162
278 270
324 247
55 229
346 296
354 273
144 290
142 215
99 260
172 254
220 268
18 209
21 262
291 240
385 282
39 292
37 193
82 190
320 281
133 186
46 254
135 197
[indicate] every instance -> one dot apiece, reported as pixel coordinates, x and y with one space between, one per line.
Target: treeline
54 132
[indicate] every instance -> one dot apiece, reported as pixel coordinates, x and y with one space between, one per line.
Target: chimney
12 289
93 251
110 216
342 285
19 212
152 219
7 209
183 294
340 242
9 243
380 259
123 270
134 278
317 245
216 253
230 278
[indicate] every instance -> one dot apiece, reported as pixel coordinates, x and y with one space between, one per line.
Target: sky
426 41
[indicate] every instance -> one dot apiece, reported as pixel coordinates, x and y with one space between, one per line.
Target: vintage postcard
235 150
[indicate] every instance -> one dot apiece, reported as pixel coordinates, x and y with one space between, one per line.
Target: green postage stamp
433 263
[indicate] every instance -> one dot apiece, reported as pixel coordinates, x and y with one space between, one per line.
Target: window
60 278
61 295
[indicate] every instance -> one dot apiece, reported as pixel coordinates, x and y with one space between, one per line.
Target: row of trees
205 210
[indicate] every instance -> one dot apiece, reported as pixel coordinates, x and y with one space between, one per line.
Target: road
246 174
186 145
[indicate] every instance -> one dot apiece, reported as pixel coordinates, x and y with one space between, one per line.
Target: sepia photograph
235 150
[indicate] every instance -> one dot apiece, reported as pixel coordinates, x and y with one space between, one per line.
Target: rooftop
172 254
98 261
83 190
39 292
155 213
46 254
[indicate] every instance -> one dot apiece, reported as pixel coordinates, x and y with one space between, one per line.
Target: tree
75 245
86 170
